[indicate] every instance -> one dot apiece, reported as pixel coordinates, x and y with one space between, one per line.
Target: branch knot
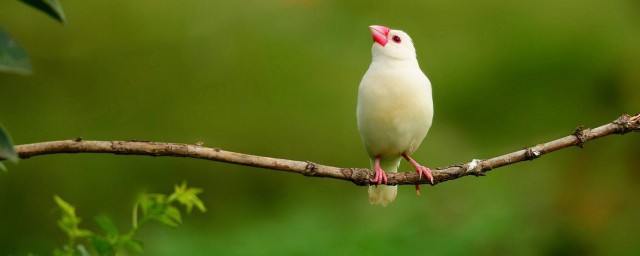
627 123
358 176
531 154
581 136
310 169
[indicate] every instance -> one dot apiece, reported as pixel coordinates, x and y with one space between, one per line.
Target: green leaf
83 251
67 224
102 246
2 167
135 245
164 219
67 208
107 225
173 213
170 216
12 57
6 145
50 7
153 204
188 197
69 221
83 233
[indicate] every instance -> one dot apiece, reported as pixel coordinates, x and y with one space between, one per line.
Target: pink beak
380 34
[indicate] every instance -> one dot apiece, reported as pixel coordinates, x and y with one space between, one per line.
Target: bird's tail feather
384 194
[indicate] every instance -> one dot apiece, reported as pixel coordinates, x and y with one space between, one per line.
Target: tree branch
359 176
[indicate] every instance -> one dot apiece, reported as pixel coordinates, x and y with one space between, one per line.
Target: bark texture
359 176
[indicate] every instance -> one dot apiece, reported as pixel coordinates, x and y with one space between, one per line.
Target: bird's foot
381 176
421 170
427 172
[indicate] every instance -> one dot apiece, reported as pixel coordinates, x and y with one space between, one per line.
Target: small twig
359 176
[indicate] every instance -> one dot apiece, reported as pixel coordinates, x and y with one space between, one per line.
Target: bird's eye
396 39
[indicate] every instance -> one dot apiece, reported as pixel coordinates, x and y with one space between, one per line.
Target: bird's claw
427 173
380 177
421 169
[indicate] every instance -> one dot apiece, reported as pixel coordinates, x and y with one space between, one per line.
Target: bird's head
394 44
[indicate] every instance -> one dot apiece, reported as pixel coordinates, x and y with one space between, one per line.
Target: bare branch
359 176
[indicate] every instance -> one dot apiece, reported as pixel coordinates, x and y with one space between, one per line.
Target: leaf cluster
7 152
14 59
111 241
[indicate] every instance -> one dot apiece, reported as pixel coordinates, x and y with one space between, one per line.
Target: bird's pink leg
421 169
381 176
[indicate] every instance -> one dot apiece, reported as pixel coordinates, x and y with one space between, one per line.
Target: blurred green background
280 79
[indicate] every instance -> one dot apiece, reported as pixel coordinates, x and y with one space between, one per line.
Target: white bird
395 109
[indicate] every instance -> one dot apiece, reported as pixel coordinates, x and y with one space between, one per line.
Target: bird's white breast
395 108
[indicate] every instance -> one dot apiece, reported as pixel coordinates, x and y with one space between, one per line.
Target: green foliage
156 207
6 148
111 241
188 197
161 208
50 7
69 224
12 57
